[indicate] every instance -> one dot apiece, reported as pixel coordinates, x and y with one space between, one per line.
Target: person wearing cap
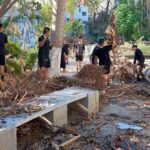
138 62
3 43
101 56
43 54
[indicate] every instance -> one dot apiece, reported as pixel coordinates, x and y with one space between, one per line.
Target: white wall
78 13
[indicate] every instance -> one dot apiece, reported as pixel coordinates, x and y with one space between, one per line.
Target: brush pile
91 76
123 72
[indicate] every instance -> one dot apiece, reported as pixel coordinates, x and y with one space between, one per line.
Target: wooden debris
46 120
69 142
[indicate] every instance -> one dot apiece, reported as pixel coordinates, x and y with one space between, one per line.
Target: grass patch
126 48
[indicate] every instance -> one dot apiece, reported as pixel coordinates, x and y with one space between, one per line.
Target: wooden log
64 145
79 106
46 120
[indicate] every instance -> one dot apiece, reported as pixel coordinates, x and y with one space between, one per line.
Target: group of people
78 51
100 55
45 46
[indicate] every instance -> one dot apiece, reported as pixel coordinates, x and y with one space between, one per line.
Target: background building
81 13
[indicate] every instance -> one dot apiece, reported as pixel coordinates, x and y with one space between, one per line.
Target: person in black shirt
43 53
67 52
139 60
79 51
64 56
101 53
3 42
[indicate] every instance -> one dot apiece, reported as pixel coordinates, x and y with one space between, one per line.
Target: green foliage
93 5
1 2
30 58
71 6
74 28
45 18
132 20
127 21
13 49
14 66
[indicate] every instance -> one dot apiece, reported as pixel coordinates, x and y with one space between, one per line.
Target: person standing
3 43
102 54
79 51
139 60
64 57
43 54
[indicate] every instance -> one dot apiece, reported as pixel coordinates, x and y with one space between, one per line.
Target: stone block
58 117
8 139
91 102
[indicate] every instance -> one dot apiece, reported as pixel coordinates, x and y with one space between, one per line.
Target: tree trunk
6 5
59 8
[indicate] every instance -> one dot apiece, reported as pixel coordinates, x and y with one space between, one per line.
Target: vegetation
44 18
74 29
31 58
132 19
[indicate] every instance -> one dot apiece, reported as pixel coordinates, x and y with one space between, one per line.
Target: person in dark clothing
101 53
43 53
93 59
79 51
3 43
139 60
64 56
67 51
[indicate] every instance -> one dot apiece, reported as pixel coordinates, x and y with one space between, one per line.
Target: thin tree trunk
6 5
59 8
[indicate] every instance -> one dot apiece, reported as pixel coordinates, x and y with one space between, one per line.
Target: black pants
2 59
79 58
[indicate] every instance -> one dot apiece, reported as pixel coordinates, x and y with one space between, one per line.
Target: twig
23 97
116 96
15 99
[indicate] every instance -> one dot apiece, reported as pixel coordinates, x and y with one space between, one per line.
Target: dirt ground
123 123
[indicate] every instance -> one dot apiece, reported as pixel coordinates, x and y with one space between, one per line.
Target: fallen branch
46 120
64 145
116 96
23 97
15 99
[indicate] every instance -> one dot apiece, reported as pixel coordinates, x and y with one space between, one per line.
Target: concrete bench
54 109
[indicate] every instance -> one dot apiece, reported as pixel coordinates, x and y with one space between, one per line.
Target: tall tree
59 9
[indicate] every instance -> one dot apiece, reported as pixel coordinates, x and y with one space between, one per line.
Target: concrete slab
8 139
48 103
58 117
